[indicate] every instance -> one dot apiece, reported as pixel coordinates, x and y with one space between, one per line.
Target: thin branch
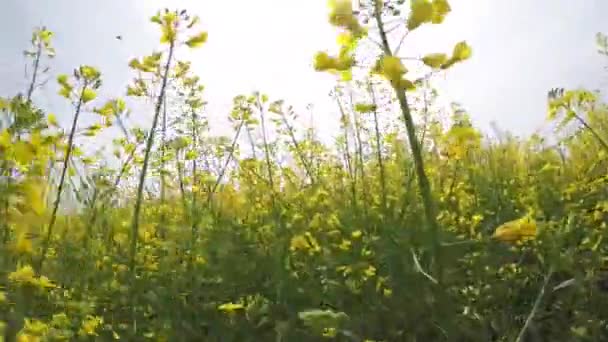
419 268
401 42
535 308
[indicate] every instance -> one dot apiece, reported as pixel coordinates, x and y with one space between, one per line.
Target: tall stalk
297 147
147 153
349 159
359 163
266 146
37 57
379 147
226 163
195 183
423 181
162 168
64 169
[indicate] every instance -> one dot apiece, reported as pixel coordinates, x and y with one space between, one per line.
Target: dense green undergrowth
412 227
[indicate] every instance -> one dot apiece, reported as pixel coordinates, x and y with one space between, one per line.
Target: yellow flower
33 331
44 282
305 242
330 332
345 270
200 260
24 274
121 268
324 61
23 337
345 38
516 231
369 272
230 307
341 14
121 239
90 325
345 245
23 245
391 68
298 242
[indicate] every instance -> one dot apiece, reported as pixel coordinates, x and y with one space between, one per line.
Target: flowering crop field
412 226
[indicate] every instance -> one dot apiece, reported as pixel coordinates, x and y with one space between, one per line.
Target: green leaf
156 19
191 155
197 40
319 320
134 64
365 107
92 130
406 84
193 21
435 60
88 95
120 105
4 103
52 120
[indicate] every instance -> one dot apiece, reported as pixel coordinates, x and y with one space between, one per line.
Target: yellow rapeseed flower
90 325
24 274
345 245
298 242
516 231
22 337
230 307
341 12
23 245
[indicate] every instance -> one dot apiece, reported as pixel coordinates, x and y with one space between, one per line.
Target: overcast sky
521 48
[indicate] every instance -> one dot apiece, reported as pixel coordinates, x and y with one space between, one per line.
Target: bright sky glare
521 49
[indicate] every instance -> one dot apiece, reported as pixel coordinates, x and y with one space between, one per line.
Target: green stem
349 162
227 162
64 170
423 181
379 148
297 148
535 307
595 134
30 90
144 170
162 169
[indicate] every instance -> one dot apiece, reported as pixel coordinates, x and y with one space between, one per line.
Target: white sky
521 48
268 45
264 45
